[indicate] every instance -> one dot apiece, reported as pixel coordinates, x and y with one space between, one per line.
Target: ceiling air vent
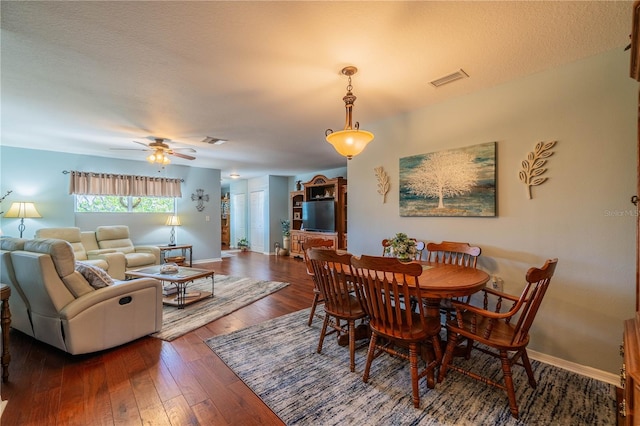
214 141
449 78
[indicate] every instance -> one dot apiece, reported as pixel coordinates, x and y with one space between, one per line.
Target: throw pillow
97 277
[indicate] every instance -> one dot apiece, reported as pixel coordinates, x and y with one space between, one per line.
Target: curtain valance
88 183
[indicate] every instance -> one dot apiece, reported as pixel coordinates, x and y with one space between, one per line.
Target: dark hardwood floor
150 381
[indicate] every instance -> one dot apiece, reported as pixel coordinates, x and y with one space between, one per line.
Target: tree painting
444 174
458 182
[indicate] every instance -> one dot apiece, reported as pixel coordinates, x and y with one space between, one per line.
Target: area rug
278 361
230 294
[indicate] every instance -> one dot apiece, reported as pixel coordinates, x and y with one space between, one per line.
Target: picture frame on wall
455 182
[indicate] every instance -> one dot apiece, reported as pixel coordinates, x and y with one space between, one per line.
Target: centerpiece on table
403 247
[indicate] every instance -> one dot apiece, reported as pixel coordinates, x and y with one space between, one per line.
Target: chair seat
349 309
140 259
501 333
414 332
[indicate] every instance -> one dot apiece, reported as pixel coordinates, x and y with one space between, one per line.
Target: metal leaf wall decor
199 197
532 167
383 182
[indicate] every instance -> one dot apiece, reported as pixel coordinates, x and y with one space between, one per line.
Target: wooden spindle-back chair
341 301
308 245
384 284
502 333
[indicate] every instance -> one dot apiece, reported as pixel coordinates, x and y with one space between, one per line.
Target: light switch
207 218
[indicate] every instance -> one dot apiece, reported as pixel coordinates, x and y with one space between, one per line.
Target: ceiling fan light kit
350 141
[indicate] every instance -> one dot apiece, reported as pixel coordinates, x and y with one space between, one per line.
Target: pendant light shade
351 141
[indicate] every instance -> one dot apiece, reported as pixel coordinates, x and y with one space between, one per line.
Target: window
116 204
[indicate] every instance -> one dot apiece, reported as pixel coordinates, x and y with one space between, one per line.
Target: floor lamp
22 210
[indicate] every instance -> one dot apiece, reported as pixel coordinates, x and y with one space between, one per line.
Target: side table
183 247
5 322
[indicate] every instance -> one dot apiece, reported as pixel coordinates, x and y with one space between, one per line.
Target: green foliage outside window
115 204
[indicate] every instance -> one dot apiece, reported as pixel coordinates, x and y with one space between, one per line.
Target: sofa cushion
140 259
12 244
70 234
97 277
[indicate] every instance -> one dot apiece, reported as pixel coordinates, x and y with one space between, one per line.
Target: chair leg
323 332
508 381
314 304
528 369
413 364
351 325
370 353
448 356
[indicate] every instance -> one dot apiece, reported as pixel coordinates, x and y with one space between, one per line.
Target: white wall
580 215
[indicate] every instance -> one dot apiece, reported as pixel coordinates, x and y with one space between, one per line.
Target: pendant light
350 141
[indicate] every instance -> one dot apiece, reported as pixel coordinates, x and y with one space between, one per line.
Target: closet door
256 221
238 218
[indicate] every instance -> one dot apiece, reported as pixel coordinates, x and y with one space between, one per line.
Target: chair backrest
314 243
386 247
538 280
453 253
334 278
70 234
114 237
386 287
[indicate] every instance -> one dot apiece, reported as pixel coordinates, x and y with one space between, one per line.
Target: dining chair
384 283
500 333
341 301
455 253
308 245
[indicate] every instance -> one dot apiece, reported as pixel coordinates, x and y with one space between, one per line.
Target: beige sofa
85 248
55 303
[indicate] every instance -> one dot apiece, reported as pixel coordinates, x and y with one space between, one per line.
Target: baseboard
591 372
215 259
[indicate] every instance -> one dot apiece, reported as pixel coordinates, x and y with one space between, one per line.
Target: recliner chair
110 260
117 237
70 314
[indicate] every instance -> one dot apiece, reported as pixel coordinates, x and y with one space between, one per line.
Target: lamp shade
173 221
350 143
22 210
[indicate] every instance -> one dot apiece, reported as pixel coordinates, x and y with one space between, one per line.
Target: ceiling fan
160 150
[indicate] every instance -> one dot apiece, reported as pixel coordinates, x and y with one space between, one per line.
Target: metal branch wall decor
532 166
200 197
383 182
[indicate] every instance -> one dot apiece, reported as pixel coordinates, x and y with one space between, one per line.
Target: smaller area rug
278 361
230 294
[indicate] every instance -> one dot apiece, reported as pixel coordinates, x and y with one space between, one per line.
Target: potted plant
243 244
286 227
403 247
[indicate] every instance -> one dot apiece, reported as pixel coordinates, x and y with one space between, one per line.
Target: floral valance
89 183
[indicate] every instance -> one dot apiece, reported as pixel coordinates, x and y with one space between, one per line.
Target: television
319 215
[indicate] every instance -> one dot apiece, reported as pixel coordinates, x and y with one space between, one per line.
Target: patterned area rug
230 294
278 361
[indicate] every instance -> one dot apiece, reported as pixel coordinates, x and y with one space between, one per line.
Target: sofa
85 248
57 304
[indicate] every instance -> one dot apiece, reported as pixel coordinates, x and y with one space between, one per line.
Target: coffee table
181 280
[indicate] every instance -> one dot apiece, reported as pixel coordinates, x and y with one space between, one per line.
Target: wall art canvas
456 182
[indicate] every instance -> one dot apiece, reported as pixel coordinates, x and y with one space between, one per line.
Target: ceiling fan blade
141 143
130 149
184 149
185 156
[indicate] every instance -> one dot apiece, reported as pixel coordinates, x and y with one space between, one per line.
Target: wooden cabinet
225 229
299 237
630 372
318 189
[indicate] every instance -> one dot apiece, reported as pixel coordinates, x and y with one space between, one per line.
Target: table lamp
22 210
173 221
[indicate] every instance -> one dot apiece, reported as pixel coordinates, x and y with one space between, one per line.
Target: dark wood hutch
319 188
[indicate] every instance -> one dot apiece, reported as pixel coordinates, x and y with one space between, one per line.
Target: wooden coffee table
181 280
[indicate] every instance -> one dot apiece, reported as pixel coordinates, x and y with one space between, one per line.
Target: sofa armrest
116 260
118 290
149 249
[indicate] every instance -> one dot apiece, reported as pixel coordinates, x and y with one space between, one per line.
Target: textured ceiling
86 77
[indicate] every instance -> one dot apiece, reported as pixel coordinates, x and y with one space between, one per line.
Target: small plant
286 226
403 247
243 243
